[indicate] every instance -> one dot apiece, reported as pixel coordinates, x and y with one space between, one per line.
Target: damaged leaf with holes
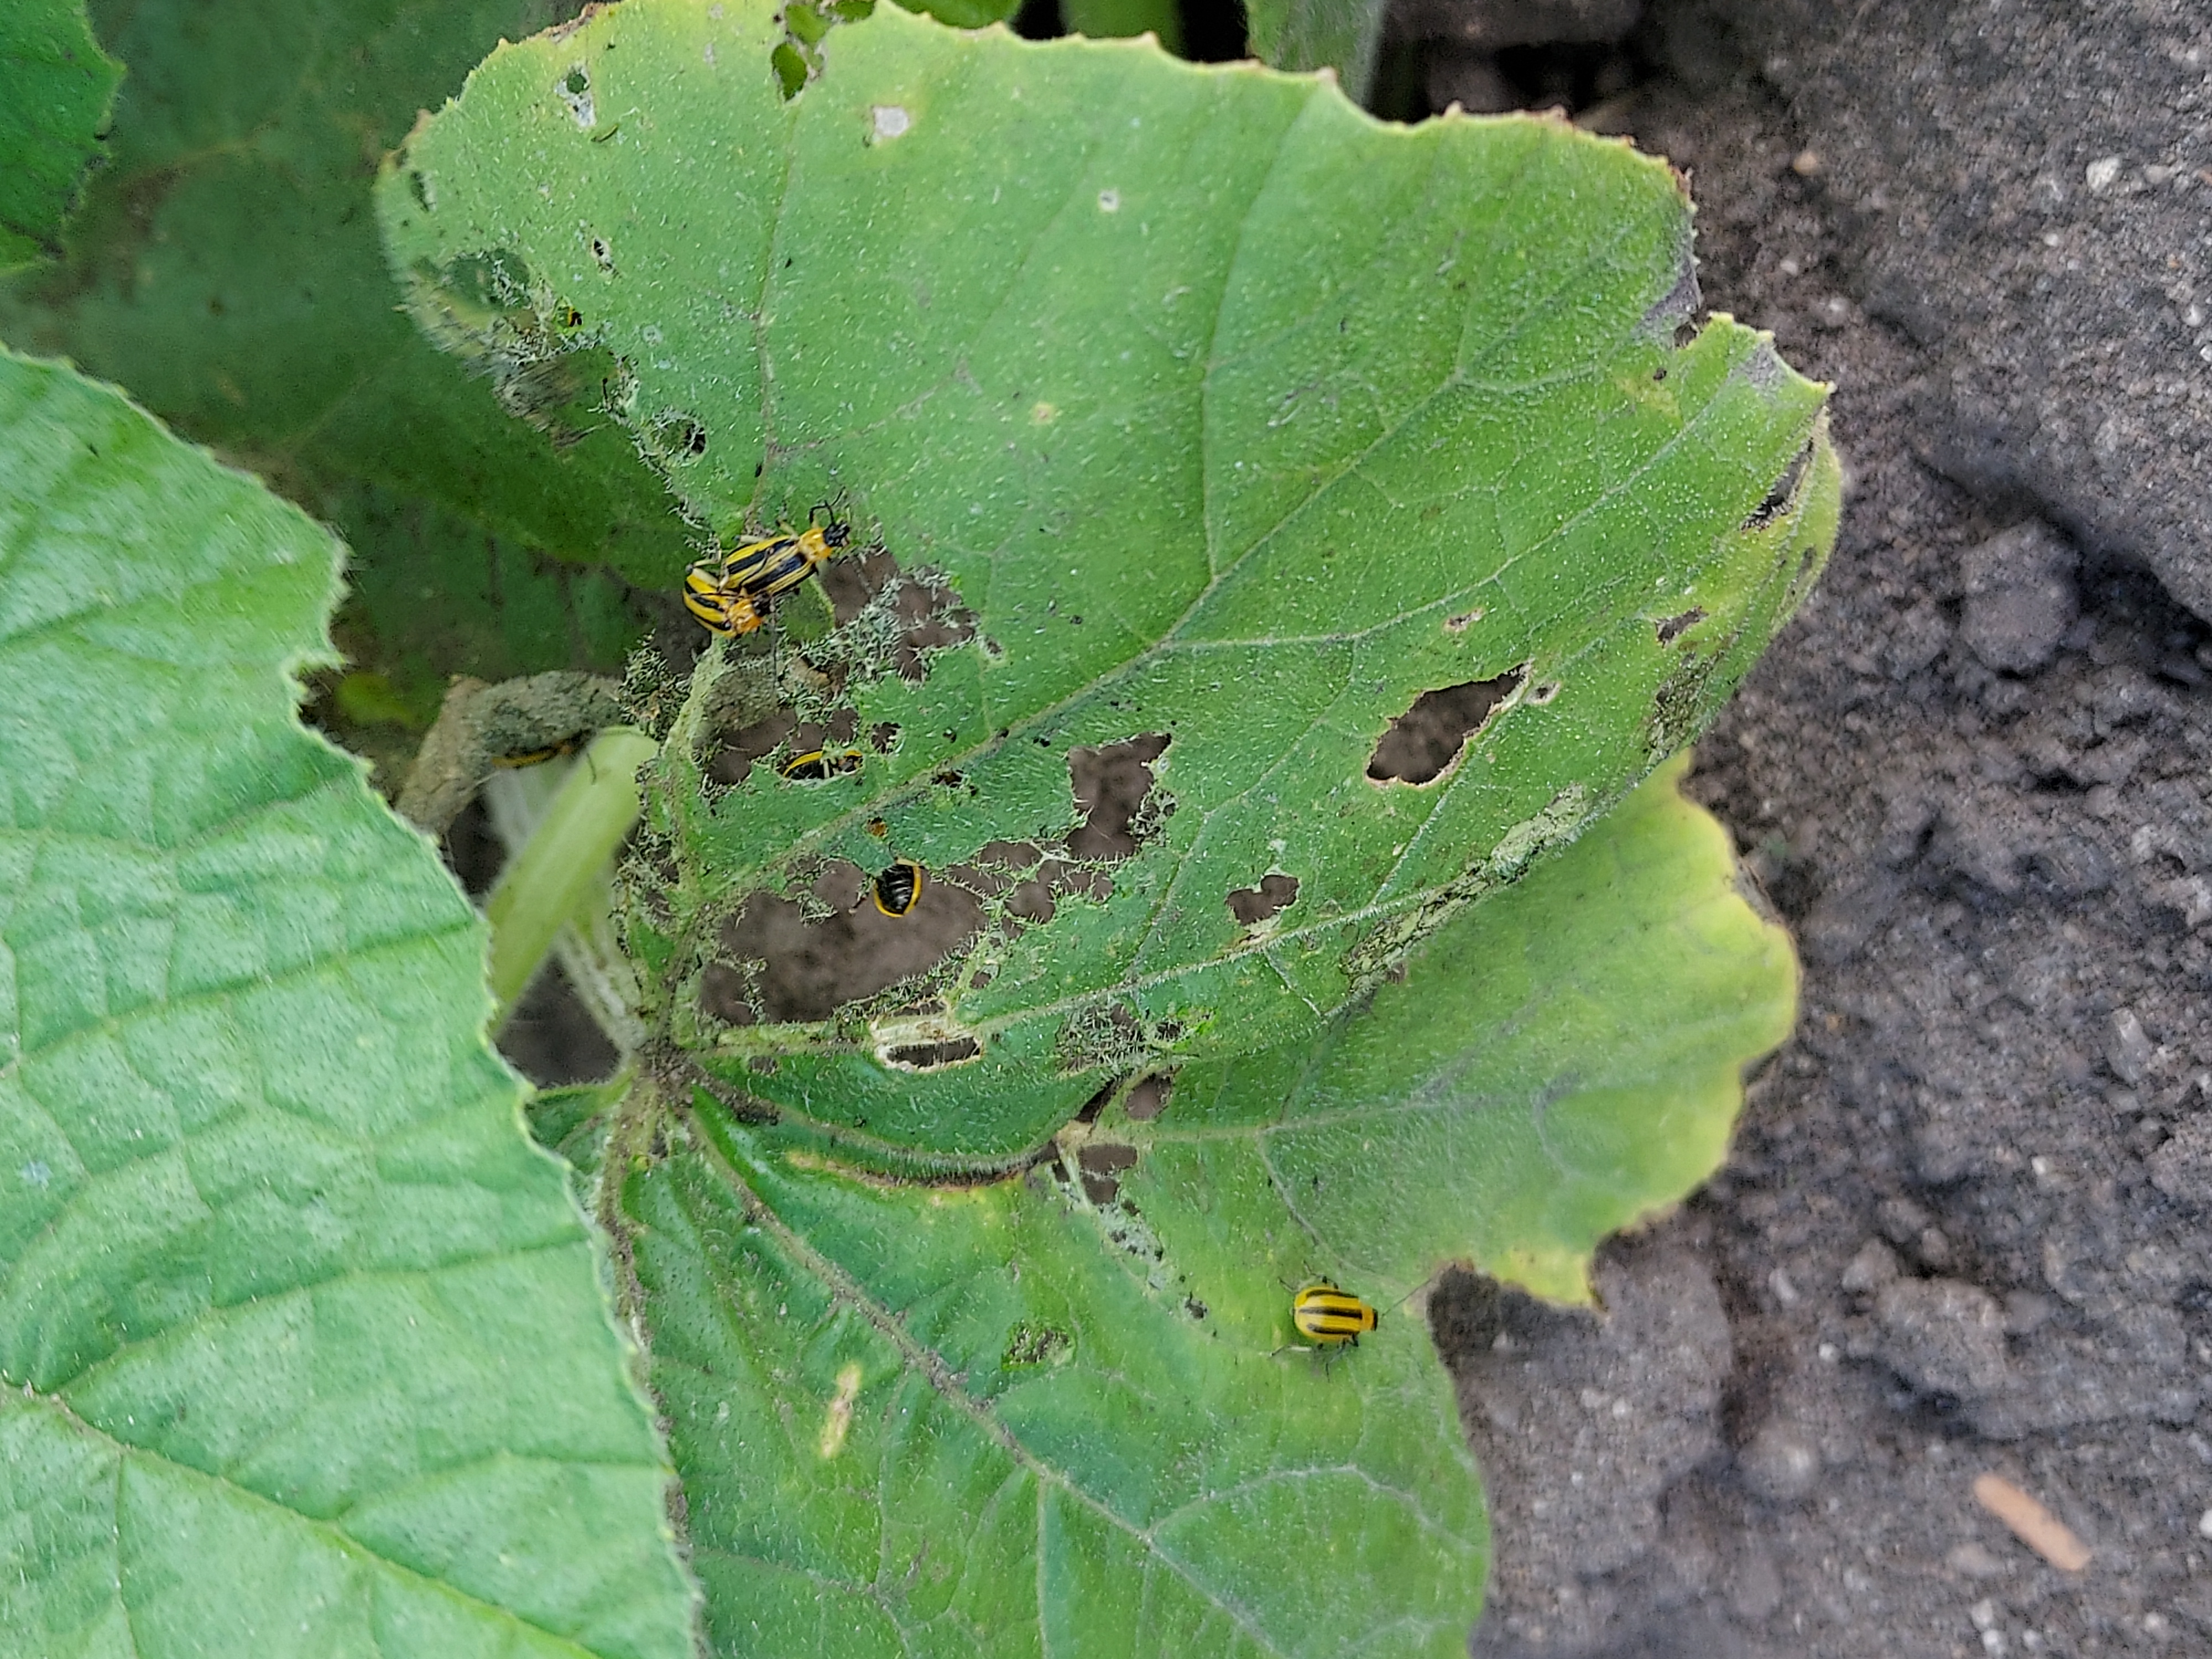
1368 503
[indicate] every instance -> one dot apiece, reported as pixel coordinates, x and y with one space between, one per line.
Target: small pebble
1972 1560
1873 1266
2128 1048
1781 1463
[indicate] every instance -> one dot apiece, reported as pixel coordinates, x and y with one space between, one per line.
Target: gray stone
2128 1048
1873 1266
1780 1463
2182 1169
2019 598
1944 1336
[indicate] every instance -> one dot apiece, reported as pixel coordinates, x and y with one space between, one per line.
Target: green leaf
1555 1064
56 89
979 1421
226 267
1344 35
1054 1413
1194 409
1104 20
304 1346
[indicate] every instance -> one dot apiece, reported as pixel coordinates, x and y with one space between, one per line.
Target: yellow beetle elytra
720 609
898 890
1327 1315
730 594
775 564
820 765
568 745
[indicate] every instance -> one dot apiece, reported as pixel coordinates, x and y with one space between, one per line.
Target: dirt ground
1968 1224
1965 1227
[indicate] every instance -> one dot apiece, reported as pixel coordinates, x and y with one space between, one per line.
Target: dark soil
1965 1225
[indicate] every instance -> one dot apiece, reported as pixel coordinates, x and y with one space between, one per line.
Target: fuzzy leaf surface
1188 407
56 88
1061 1414
225 266
304 1346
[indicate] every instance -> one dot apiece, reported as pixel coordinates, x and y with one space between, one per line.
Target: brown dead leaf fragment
2032 1524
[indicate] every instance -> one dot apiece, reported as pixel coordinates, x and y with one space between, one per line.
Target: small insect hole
1147 1099
1784 490
931 1056
603 254
1429 736
420 186
1671 629
1274 895
1544 693
1102 1167
1461 623
733 763
806 964
1111 784
575 89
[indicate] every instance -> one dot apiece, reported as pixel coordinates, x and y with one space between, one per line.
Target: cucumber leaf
305 1346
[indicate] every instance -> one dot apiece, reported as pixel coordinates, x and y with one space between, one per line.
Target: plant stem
546 883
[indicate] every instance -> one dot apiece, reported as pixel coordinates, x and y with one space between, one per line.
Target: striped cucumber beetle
898 890
776 564
720 609
568 745
819 765
1328 1317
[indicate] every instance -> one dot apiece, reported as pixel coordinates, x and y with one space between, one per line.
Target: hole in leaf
604 254
680 437
1032 1343
421 187
1784 491
883 738
781 963
733 763
1112 784
1274 895
889 618
1147 1099
790 68
576 91
1461 623
1671 629
932 1056
1429 736
1102 1166
1544 693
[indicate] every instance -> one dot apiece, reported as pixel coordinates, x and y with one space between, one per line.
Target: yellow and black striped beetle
1328 1317
819 765
898 890
720 610
775 564
568 745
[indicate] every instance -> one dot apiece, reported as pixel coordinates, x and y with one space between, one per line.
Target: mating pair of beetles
731 594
